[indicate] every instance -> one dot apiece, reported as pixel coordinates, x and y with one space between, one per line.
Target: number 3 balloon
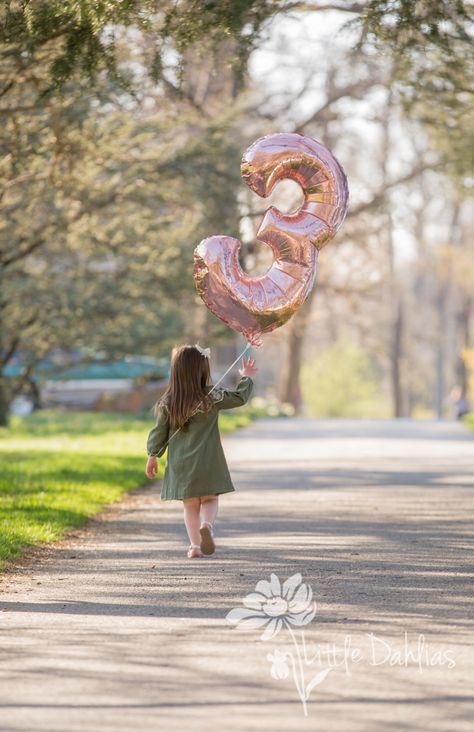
257 305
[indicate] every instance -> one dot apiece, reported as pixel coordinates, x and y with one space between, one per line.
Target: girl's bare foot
194 552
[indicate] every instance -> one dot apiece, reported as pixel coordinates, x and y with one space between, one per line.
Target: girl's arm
158 437
229 398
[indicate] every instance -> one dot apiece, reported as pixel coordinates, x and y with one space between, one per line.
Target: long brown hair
190 375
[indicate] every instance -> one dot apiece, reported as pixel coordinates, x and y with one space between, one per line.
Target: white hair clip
204 351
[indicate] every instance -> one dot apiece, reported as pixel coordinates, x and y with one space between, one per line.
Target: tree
104 196
340 382
107 140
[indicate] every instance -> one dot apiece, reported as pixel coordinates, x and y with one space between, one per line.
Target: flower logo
274 605
280 668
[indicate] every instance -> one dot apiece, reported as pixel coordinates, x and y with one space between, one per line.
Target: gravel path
114 629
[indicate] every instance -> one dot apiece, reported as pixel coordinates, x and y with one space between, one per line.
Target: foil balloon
257 305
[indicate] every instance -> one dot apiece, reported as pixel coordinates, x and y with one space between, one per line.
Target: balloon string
210 392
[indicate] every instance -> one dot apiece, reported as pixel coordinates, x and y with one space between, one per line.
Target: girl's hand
248 367
151 467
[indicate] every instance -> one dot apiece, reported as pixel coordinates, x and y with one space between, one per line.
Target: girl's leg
209 509
191 519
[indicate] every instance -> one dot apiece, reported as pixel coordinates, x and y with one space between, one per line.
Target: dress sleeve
229 398
158 437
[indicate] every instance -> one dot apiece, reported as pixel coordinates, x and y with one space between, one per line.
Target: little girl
196 471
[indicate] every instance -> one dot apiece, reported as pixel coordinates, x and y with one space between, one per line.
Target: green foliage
340 382
70 32
104 198
268 407
55 423
212 23
430 43
83 38
410 27
230 421
469 420
59 469
190 21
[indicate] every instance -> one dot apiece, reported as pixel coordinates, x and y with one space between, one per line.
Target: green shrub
341 382
469 420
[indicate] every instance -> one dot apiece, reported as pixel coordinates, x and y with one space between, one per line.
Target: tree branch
378 198
10 351
359 87
38 242
178 94
310 7
7 261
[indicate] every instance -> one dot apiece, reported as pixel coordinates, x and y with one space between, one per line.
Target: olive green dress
196 465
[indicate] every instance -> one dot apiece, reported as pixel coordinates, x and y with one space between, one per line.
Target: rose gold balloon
257 305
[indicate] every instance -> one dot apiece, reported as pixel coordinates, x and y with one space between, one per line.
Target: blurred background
123 125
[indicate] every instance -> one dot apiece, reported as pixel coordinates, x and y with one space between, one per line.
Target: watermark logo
285 608
276 606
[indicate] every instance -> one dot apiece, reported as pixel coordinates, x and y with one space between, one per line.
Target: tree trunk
4 402
465 335
395 299
35 394
440 355
396 357
290 389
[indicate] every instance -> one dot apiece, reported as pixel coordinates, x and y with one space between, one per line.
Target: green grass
59 469
469 420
